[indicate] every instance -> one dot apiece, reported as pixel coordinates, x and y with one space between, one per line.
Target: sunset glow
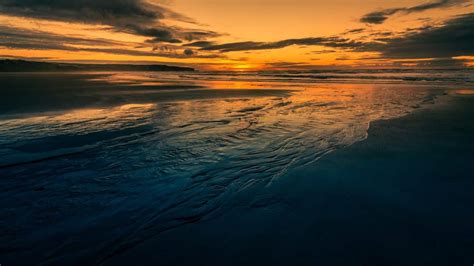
239 35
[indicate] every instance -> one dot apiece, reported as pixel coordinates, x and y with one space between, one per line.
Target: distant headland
9 65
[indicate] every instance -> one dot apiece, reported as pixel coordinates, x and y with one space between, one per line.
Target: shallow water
92 164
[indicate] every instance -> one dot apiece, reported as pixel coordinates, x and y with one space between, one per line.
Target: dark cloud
109 12
237 46
334 42
455 38
379 17
198 35
157 34
354 31
188 52
129 16
140 17
37 38
16 38
4 56
200 44
382 34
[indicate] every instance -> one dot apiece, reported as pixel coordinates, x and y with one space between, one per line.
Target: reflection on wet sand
464 92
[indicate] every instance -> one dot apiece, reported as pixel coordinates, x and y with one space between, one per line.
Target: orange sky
231 21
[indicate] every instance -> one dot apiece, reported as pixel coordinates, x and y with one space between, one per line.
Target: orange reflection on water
290 126
464 92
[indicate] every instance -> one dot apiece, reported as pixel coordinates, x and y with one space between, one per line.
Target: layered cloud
142 18
454 38
334 42
39 40
144 28
132 16
379 17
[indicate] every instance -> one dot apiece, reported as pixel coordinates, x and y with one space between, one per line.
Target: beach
403 196
145 168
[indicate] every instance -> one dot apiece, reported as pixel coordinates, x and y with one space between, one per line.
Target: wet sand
23 94
183 170
404 196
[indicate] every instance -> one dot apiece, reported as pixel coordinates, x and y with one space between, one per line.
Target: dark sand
404 196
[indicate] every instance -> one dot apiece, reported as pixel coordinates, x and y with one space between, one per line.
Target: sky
242 34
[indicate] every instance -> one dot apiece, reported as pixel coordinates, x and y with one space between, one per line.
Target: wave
341 75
